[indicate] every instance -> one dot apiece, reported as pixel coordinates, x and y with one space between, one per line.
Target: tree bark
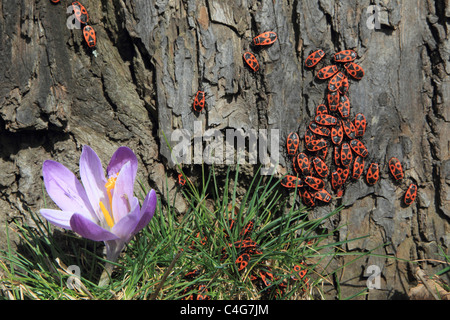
153 56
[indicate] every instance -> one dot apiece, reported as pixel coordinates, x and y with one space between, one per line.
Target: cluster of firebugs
82 17
333 121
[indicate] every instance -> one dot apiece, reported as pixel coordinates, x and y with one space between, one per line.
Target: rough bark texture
154 55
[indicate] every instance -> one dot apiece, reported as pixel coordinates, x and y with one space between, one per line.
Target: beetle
354 70
345 56
319 130
251 61
333 100
199 101
89 36
314 58
307 198
395 166
323 195
181 180
316 145
80 12
321 109
360 124
359 148
337 134
358 167
309 136
321 167
373 173
336 81
314 182
325 120
303 164
344 106
290 181
346 154
265 38
292 143
349 129
411 194
327 72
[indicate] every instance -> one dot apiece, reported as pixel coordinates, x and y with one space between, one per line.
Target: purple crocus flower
100 208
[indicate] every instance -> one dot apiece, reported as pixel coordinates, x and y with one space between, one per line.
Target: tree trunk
153 56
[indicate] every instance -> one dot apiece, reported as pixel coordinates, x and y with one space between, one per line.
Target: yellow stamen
109 185
108 217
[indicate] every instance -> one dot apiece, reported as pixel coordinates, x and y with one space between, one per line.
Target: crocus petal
124 228
147 211
93 178
65 189
90 230
118 160
123 192
57 217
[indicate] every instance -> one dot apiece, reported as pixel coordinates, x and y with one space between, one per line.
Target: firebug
89 36
291 182
181 180
360 124
358 167
323 195
346 154
314 58
345 56
319 130
325 120
316 145
336 82
333 100
354 70
309 136
80 12
349 129
337 155
327 72
321 109
373 174
359 148
321 167
292 143
395 166
199 101
337 133
303 164
265 38
307 198
411 194
314 182
251 61
344 106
